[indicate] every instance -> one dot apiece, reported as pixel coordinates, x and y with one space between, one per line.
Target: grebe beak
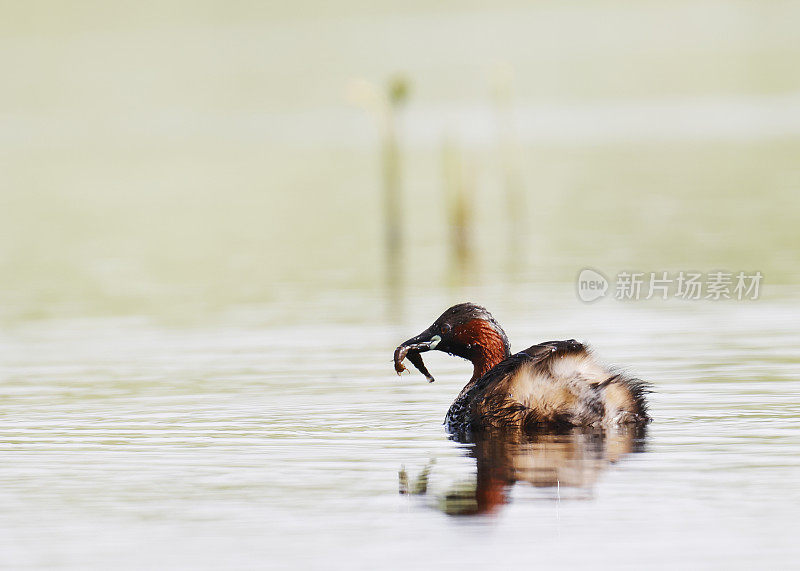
412 349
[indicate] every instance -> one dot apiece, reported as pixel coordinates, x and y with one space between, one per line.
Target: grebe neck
487 348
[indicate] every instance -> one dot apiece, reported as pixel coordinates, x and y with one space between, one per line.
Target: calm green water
251 443
178 157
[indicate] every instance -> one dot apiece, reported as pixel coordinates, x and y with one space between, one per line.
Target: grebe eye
446 328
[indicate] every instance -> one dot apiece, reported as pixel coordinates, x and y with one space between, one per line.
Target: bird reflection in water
572 459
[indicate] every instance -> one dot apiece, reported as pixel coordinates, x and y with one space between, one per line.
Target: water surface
248 443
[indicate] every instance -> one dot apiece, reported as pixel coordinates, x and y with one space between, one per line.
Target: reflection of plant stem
402 477
420 485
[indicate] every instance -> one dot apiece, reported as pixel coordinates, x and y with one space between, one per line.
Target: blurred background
181 157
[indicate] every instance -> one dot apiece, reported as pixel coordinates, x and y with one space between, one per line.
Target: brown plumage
549 385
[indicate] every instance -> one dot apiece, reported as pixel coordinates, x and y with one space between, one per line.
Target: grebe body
548 385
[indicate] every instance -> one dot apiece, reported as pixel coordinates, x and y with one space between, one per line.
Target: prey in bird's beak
458 331
412 350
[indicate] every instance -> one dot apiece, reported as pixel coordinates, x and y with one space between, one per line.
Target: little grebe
549 385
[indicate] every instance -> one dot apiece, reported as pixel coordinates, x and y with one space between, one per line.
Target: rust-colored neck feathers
486 346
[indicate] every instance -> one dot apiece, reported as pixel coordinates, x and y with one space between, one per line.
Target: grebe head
465 330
